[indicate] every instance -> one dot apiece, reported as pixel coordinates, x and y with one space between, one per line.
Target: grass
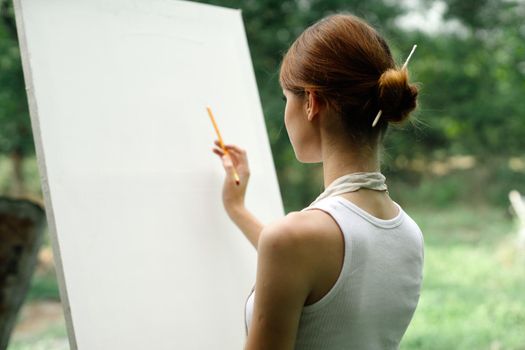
44 283
43 286
473 285
53 338
473 288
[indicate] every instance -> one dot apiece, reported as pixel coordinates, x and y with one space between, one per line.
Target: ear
312 104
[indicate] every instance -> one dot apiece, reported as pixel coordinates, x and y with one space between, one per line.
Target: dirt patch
36 317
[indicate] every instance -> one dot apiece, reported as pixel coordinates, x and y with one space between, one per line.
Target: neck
341 158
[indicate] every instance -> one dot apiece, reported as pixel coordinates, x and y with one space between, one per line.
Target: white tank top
377 291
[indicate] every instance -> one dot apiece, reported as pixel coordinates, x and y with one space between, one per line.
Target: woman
346 271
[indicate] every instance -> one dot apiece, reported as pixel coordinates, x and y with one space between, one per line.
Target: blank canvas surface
147 257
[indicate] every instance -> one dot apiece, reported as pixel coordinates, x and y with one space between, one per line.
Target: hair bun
397 98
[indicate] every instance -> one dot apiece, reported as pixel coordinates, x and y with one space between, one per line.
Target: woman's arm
285 268
233 194
247 223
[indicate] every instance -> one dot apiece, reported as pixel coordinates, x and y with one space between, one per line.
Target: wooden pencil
237 180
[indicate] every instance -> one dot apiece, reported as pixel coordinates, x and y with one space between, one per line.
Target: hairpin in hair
404 66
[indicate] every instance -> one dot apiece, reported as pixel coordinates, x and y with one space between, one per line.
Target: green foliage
486 184
44 281
471 87
471 99
438 193
15 126
43 287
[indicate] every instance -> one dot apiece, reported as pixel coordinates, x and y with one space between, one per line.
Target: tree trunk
18 189
22 225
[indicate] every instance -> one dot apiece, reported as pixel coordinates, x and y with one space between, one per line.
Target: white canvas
146 255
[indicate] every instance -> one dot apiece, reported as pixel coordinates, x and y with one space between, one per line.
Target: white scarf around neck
353 182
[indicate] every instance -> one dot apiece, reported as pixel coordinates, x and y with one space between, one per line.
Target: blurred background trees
16 140
466 145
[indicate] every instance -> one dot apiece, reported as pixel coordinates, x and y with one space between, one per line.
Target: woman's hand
233 194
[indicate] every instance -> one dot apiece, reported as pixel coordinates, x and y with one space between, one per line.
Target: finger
227 162
234 157
225 149
235 147
239 156
218 152
217 142
231 147
218 149
234 152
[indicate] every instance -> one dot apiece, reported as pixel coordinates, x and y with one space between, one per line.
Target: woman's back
342 89
376 293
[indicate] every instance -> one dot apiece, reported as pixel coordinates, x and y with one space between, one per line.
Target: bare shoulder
288 260
310 244
304 230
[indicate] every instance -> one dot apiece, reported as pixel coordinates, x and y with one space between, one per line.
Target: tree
22 225
16 138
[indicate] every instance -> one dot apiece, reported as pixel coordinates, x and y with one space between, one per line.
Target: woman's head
336 76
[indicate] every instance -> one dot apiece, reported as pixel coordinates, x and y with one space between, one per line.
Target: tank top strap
342 216
330 204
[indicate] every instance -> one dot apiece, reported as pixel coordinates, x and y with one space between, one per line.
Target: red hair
350 67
